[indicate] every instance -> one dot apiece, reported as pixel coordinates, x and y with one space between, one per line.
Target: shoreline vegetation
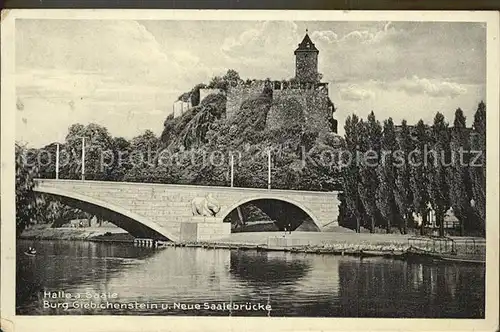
328 243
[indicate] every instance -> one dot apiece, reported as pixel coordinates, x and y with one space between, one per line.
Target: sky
126 74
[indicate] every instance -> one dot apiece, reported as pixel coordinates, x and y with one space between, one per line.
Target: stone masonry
238 94
303 100
309 107
164 207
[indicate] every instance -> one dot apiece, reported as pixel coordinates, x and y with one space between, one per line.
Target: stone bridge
163 211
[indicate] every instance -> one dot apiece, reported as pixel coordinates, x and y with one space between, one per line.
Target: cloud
124 51
355 93
108 72
56 83
366 36
327 36
269 44
157 112
360 54
433 88
442 51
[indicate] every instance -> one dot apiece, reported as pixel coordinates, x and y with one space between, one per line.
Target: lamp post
83 158
232 170
57 161
269 169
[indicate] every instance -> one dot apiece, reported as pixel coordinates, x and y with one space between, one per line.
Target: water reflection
63 265
294 284
390 288
273 268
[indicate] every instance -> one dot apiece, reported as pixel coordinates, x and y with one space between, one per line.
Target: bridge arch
295 203
143 224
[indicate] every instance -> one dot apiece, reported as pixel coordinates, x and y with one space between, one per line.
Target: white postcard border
11 322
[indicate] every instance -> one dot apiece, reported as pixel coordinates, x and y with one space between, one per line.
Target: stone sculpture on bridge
205 206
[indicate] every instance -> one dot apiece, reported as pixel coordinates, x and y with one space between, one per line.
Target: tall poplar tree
419 173
477 167
367 187
458 178
350 170
385 174
438 186
402 190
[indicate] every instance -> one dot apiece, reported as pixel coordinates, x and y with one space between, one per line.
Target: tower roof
306 45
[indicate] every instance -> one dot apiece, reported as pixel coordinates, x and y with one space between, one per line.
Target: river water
120 279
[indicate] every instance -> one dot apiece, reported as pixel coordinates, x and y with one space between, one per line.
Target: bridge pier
203 229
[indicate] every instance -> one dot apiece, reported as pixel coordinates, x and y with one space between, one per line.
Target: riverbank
396 246
359 244
337 242
45 232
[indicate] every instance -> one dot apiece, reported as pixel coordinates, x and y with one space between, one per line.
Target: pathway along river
170 281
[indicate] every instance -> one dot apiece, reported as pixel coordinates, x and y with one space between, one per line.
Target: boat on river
31 252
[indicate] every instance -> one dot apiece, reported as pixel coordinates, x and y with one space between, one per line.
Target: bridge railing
185 185
433 244
284 241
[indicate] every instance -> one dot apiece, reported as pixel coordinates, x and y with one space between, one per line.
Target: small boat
30 252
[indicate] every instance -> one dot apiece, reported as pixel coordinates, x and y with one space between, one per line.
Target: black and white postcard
266 170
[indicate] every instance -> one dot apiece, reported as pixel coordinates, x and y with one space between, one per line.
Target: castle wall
293 103
205 92
238 94
305 106
180 107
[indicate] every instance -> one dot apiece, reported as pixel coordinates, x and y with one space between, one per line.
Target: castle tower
306 61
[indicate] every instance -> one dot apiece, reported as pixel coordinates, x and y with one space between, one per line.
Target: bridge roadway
163 211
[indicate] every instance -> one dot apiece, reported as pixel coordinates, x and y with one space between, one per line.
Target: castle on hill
303 99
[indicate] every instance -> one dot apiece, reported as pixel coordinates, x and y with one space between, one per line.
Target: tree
419 173
385 174
121 164
230 79
350 170
217 83
46 160
26 202
368 184
477 168
98 143
438 186
144 156
53 211
402 192
458 178
144 149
